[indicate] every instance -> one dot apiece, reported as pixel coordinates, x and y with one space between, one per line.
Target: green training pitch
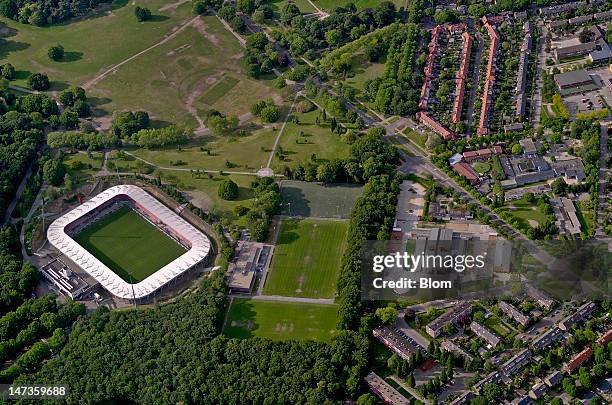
129 245
280 320
303 199
306 258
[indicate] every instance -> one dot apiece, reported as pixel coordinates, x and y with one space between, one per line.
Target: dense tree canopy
44 12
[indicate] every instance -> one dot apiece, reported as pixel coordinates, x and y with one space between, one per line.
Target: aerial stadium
129 242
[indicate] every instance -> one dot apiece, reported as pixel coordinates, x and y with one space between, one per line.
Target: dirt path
282 130
172 6
175 31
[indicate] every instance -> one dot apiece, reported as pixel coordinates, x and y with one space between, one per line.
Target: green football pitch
129 245
280 320
306 258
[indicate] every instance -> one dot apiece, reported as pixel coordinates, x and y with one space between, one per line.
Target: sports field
303 199
280 320
129 245
302 265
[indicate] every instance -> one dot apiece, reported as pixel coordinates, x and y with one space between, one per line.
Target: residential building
492 378
605 338
452 347
435 125
578 360
553 378
463 399
514 313
487 96
547 339
462 76
482 154
580 315
384 391
513 365
542 298
479 330
521 401
456 315
465 170
394 342
538 390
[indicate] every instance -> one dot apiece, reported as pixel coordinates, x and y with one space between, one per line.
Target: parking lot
593 100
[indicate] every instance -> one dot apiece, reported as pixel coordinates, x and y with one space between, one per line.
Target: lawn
244 153
526 211
306 258
363 71
80 164
280 320
177 82
129 245
482 167
305 199
92 44
300 141
497 326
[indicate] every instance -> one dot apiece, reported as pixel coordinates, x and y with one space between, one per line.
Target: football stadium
129 242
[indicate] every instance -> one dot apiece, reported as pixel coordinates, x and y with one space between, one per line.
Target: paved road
602 198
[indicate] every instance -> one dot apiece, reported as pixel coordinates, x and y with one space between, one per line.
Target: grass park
301 140
527 212
280 320
301 265
303 199
174 66
129 245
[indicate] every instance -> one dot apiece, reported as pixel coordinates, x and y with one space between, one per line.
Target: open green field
92 44
129 245
363 71
80 164
526 211
317 200
175 66
178 81
302 265
482 167
304 5
280 320
300 141
245 153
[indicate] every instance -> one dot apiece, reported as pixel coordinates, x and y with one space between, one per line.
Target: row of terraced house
490 73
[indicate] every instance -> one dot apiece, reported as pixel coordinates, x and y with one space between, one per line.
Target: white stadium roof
200 244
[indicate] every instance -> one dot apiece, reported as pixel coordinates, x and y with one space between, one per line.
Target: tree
228 190
288 12
142 13
367 399
387 315
384 13
569 386
585 378
559 186
492 392
39 82
433 140
516 149
270 113
56 53
53 172
8 71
